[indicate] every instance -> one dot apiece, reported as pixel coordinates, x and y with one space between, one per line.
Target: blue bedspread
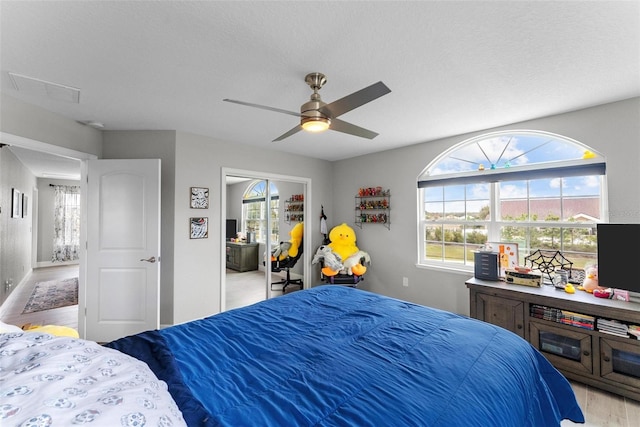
334 355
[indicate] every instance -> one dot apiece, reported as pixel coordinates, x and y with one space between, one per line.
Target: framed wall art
16 203
199 198
199 228
25 204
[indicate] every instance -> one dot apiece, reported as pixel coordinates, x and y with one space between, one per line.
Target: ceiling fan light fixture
315 124
318 116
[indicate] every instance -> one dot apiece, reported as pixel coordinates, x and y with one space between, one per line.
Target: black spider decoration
548 261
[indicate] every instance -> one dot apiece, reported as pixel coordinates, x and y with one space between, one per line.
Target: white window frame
494 177
263 211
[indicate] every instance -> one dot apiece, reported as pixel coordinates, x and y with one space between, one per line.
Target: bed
335 355
63 381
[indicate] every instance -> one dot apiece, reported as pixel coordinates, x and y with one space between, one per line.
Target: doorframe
83 157
308 224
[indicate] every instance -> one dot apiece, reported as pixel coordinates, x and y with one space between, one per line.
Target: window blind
584 168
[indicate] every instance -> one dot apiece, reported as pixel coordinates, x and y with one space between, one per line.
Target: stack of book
577 319
546 313
613 327
566 317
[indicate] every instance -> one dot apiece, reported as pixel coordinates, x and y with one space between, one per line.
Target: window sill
462 270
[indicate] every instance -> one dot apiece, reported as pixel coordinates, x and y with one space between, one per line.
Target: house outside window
536 189
254 211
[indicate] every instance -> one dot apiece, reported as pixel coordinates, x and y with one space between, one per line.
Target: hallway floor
11 309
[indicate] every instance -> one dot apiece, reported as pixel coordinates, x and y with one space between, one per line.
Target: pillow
7 328
59 331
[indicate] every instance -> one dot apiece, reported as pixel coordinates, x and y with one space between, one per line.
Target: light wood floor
242 289
11 309
601 408
250 287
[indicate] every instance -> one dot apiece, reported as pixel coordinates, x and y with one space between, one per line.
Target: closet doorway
238 289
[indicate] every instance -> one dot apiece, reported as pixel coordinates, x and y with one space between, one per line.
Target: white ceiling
44 165
452 67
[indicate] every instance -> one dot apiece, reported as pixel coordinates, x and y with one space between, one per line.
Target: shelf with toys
373 206
294 208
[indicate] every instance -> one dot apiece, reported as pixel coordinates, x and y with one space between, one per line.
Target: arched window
254 211
536 189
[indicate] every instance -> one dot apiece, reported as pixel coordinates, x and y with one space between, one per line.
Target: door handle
151 260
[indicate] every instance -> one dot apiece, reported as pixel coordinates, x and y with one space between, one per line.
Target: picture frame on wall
16 203
199 198
199 228
25 204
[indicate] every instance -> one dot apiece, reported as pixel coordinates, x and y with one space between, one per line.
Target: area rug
52 294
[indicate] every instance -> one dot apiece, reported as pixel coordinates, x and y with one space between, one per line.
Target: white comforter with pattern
59 381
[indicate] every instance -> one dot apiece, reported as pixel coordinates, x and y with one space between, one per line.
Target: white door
123 248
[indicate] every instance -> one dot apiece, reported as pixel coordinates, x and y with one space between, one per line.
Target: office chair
351 280
286 265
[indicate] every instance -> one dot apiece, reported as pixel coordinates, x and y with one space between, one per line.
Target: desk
242 256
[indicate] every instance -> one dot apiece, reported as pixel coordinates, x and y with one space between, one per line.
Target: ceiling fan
317 116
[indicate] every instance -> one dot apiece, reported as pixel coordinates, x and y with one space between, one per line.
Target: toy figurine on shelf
590 282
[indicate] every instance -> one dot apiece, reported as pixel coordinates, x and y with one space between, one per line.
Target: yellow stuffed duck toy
290 248
343 244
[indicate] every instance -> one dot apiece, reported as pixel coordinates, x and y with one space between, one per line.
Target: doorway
64 162
287 186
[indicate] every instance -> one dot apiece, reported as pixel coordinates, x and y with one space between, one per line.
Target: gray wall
235 193
37 124
199 161
15 233
612 129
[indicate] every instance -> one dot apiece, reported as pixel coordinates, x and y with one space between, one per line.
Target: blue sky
510 151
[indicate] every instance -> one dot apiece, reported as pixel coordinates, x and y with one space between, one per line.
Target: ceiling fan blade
355 100
288 134
345 127
264 107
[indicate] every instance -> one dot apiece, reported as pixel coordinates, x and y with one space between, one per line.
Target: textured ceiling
453 67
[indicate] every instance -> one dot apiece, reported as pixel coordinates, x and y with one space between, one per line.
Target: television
232 228
618 252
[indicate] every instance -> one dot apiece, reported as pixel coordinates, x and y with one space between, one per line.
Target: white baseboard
57 263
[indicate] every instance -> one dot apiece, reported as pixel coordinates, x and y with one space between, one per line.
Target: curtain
66 223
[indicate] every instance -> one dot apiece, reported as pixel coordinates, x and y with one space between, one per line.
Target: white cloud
555 182
509 191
